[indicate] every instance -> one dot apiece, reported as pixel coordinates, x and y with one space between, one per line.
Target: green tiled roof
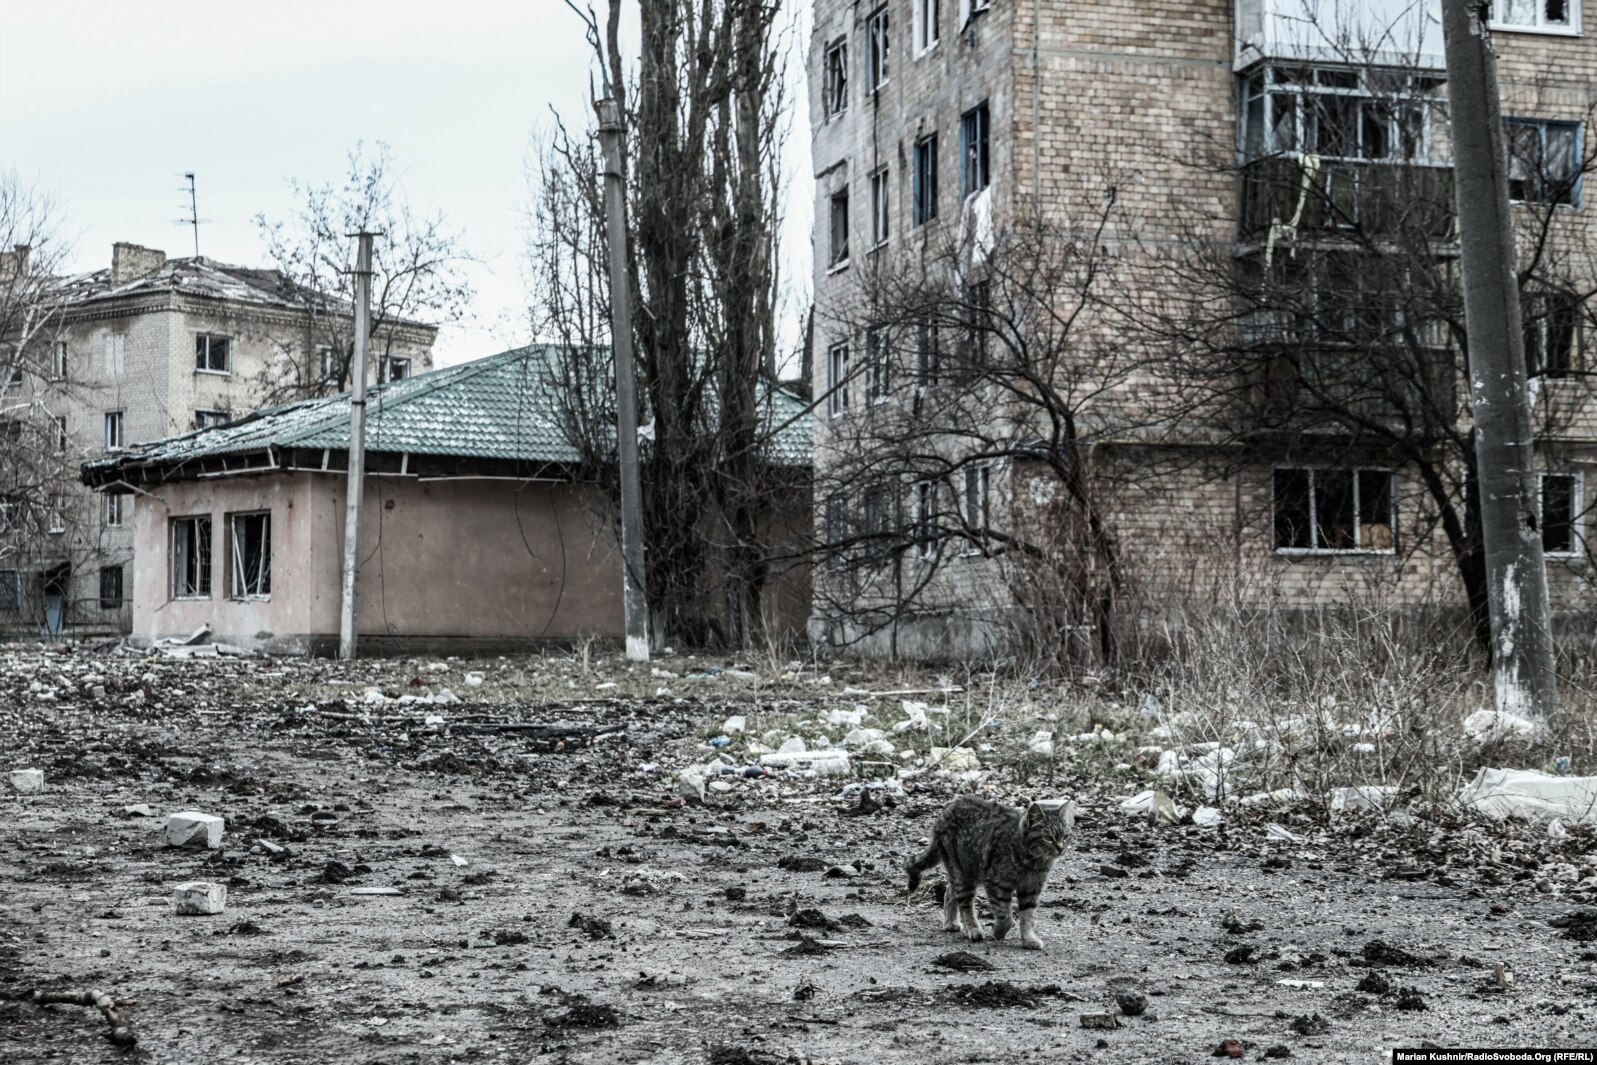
503 407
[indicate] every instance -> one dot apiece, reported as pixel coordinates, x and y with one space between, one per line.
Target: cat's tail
915 868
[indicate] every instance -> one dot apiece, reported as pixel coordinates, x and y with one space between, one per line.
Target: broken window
925 177
1555 15
1560 513
395 368
1552 333
10 589
114 509
837 379
881 226
1335 113
927 24
213 354
58 361
250 549
1544 161
834 73
115 440
876 355
1332 509
191 558
878 50
839 250
110 587
974 172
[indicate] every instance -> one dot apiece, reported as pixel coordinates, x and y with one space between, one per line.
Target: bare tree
704 124
417 271
967 387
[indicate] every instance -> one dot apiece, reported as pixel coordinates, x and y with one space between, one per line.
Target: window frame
1358 524
1569 28
112 602
236 560
881 195
834 79
975 135
1542 126
878 50
837 379
1577 499
204 569
203 354
973 490
928 30
837 252
923 500
924 181
117 419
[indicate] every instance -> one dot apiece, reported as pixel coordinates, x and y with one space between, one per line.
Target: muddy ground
596 920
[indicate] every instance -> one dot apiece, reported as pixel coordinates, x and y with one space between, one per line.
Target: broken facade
1196 123
137 352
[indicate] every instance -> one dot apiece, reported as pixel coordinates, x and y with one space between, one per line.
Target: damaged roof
502 409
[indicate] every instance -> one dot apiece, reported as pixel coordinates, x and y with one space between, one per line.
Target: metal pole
1505 456
357 445
635 591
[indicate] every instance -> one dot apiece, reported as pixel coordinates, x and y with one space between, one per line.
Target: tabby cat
1010 852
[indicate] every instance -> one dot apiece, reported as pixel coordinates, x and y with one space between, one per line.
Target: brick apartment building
1253 132
145 349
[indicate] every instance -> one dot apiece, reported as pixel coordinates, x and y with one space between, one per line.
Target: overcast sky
106 103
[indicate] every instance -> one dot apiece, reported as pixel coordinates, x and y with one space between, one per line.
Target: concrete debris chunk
194 829
27 781
197 898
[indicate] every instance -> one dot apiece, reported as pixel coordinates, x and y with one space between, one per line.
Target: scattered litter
1489 726
193 829
27 781
199 899
1526 793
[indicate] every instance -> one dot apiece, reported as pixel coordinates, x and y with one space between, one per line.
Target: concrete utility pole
357 444
611 138
1505 455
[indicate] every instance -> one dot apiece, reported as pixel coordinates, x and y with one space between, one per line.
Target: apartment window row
248 561
1547 16
926 29
1320 510
881 516
975 174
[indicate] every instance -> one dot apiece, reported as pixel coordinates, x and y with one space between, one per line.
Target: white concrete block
28 781
199 899
193 829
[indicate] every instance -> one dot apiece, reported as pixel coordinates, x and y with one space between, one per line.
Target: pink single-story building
477 533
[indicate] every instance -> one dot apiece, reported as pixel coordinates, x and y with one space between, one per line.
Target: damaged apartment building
1121 310
144 349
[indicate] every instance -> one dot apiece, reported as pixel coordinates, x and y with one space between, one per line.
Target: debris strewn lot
518 876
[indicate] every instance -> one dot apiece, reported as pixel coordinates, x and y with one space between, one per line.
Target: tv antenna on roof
194 218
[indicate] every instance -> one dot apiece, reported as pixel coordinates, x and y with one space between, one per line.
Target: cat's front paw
1031 942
